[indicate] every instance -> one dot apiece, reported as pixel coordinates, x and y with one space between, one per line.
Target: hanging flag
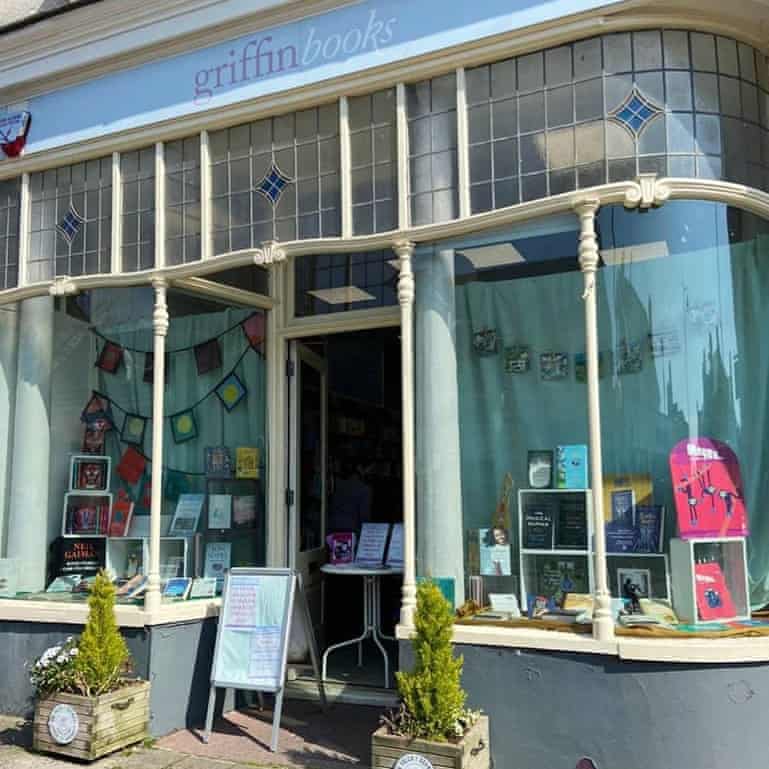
183 426
253 328
110 357
131 465
133 429
14 128
208 356
97 413
231 391
69 226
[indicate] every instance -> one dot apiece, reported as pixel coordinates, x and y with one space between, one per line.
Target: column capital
160 320
647 192
403 248
270 252
63 286
586 206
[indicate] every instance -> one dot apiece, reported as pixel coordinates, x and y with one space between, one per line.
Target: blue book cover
622 504
571 467
621 538
650 520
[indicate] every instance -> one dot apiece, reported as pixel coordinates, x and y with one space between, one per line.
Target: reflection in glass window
137 172
182 161
373 149
276 179
70 220
9 232
682 301
499 325
331 283
431 107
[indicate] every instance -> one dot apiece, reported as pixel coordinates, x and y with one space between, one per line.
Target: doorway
345 455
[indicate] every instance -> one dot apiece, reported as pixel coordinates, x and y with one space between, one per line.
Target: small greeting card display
89 473
203 587
341 547
246 462
187 515
371 548
708 491
571 467
540 469
714 600
217 562
495 552
218 462
219 511
86 514
244 511
177 588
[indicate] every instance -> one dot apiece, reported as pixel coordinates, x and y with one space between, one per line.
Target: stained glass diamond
273 184
635 113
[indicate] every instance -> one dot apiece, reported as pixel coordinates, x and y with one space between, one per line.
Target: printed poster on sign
708 490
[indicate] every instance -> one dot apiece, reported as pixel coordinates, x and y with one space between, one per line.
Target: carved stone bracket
63 286
648 192
269 253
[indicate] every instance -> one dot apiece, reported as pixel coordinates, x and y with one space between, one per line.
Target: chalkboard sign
253 636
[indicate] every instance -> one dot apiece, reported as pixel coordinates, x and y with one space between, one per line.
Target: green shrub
102 652
432 694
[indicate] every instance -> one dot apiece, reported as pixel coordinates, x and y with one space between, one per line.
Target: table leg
375 634
367 630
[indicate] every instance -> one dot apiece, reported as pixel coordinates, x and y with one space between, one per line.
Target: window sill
689 650
75 613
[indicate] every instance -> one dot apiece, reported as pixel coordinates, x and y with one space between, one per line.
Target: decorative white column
29 502
404 251
160 324
603 622
9 347
440 544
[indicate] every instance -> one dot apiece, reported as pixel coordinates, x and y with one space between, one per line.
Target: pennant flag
208 356
133 429
231 391
183 426
131 466
253 328
110 357
69 226
97 413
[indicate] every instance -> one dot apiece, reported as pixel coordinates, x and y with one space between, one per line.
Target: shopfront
501 280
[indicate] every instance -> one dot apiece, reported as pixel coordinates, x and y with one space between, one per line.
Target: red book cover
131 465
714 601
120 518
707 488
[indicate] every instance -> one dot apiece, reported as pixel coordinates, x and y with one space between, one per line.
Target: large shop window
9 233
499 374
80 374
682 305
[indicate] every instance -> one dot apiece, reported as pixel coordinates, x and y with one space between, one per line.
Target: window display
681 382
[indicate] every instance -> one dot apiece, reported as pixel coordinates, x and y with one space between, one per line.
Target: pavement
309 739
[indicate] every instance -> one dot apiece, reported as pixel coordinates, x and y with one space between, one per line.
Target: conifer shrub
433 701
102 655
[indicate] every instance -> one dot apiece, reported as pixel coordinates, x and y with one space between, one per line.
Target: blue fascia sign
345 40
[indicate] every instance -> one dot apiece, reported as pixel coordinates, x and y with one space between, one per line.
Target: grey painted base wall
175 658
548 710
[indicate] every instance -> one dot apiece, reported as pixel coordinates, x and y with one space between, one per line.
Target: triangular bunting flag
131 466
254 329
110 357
208 356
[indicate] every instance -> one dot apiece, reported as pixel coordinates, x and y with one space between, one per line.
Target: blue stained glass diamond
273 184
635 113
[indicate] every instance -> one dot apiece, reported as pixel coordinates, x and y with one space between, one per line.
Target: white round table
371 611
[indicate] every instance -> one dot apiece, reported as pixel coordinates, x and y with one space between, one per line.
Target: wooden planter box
471 752
103 725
